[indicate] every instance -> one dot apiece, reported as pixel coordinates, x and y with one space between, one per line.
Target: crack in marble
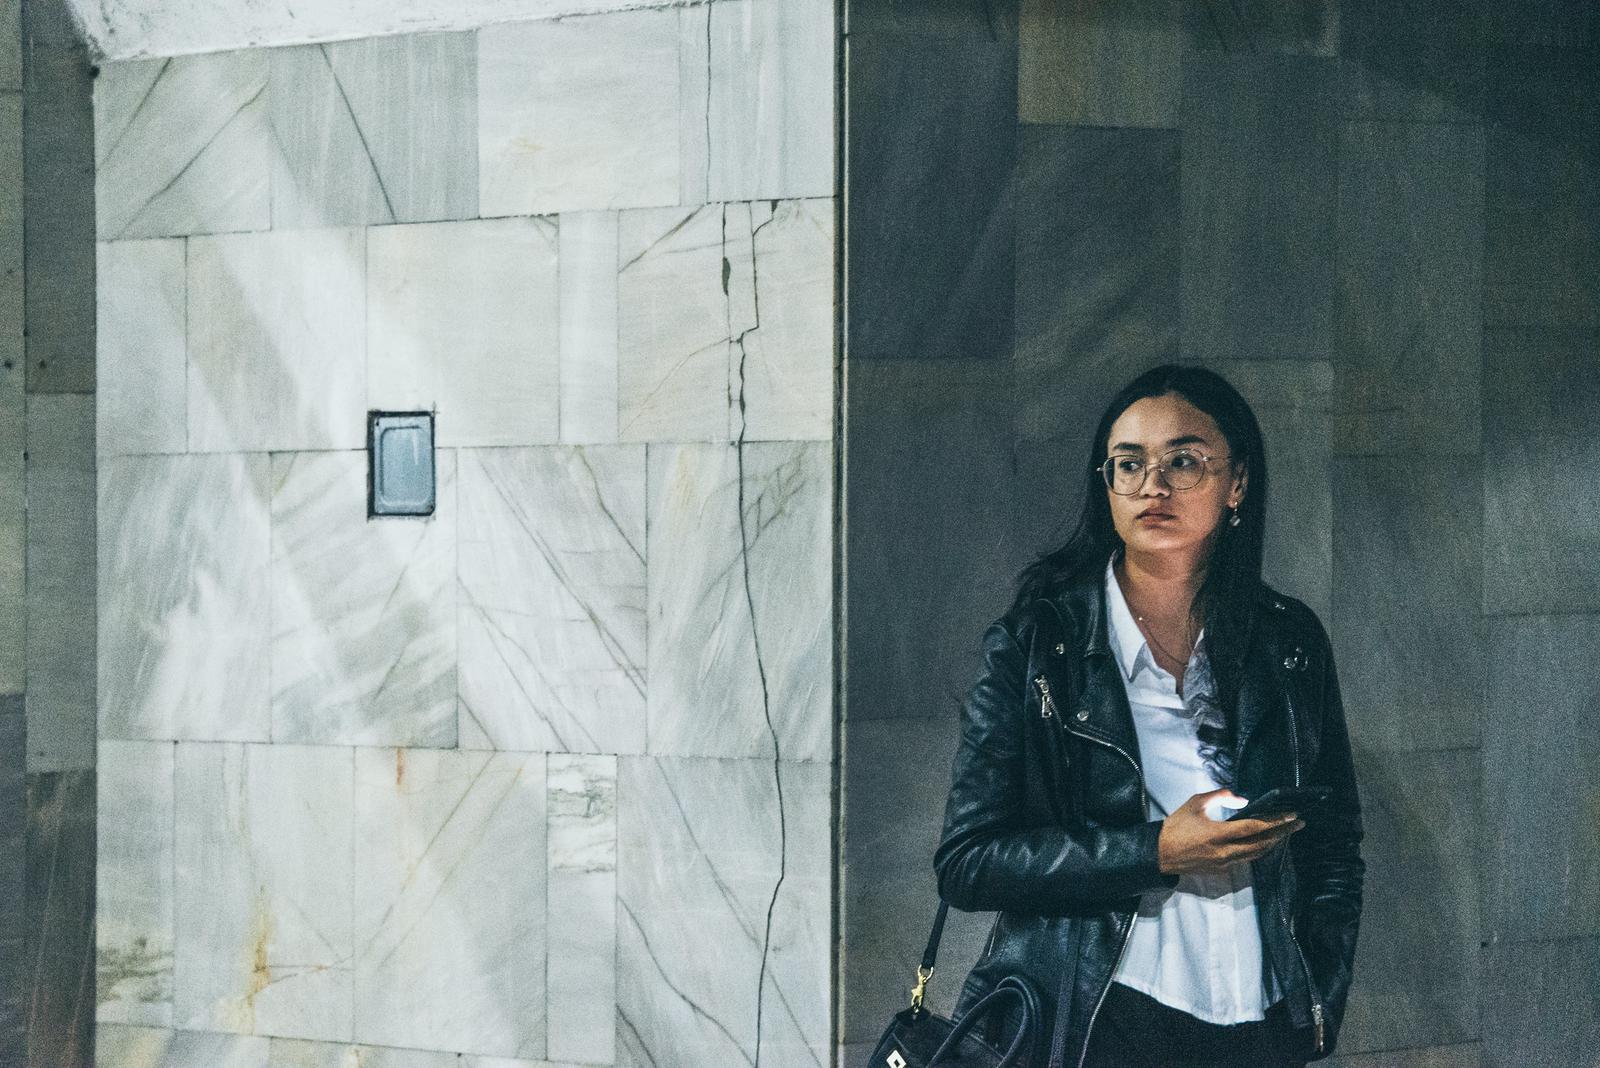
750 604
176 178
685 998
361 136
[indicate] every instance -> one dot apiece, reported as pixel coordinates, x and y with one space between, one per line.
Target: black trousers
1134 1030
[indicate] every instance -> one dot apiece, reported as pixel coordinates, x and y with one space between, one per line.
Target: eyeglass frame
1161 465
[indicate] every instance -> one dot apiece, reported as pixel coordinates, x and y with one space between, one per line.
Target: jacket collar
1101 708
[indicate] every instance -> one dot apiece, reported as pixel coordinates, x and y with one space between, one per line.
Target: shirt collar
1128 642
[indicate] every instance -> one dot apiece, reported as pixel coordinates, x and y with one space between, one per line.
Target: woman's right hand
1192 841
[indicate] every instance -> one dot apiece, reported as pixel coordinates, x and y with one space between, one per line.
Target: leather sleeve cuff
1153 878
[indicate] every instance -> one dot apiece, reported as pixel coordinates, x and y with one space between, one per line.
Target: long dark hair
1233 574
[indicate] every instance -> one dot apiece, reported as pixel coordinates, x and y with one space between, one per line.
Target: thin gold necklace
1148 633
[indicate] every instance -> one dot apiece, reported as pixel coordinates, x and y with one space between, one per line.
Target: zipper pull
1046 706
1316 1014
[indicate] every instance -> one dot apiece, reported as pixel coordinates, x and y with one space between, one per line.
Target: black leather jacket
1045 822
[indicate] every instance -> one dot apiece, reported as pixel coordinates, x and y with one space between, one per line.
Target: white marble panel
363 610
119 1046
708 858
780 286
579 113
141 373
581 907
588 326
182 146
264 887
740 616
772 99
382 129
299 1053
60 582
450 924
122 30
694 79
133 881
463 319
673 325
552 589
183 626
276 341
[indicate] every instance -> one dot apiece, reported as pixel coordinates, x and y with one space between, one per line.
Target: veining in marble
277 341
581 907
363 610
578 113
134 895
183 631
740 642
263 889
463 319
182 145
709 858
378 130
724 304
449 901
780 281
552 598
673 324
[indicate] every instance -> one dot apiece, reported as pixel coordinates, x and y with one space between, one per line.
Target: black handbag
919 1038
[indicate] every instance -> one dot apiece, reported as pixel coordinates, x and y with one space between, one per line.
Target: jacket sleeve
992 857
1327 858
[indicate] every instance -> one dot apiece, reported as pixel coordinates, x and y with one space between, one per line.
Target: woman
1143 676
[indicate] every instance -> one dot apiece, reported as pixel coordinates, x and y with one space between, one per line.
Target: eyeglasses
1183 469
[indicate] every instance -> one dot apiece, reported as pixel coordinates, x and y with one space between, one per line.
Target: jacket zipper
1047 710
1316 1005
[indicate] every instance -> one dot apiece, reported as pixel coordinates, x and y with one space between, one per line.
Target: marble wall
1377 220
543 778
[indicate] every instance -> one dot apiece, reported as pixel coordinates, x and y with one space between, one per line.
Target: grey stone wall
1379 220
47 540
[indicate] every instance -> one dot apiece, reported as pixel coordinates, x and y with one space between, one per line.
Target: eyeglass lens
1183 469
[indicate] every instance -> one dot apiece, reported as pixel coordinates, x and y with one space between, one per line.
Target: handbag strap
925 969
1008 987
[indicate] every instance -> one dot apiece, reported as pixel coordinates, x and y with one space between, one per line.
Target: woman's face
1181 520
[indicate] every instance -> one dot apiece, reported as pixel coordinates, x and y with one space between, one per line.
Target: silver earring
1233 520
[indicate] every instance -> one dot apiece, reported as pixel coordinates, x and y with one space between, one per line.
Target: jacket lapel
1100 707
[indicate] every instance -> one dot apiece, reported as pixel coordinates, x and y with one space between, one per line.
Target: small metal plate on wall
400 468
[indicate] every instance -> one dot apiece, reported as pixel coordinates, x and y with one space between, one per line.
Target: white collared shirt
1195 946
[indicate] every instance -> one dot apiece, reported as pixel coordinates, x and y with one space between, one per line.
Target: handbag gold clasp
923 975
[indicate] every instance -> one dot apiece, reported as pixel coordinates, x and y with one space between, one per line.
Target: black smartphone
1283 799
